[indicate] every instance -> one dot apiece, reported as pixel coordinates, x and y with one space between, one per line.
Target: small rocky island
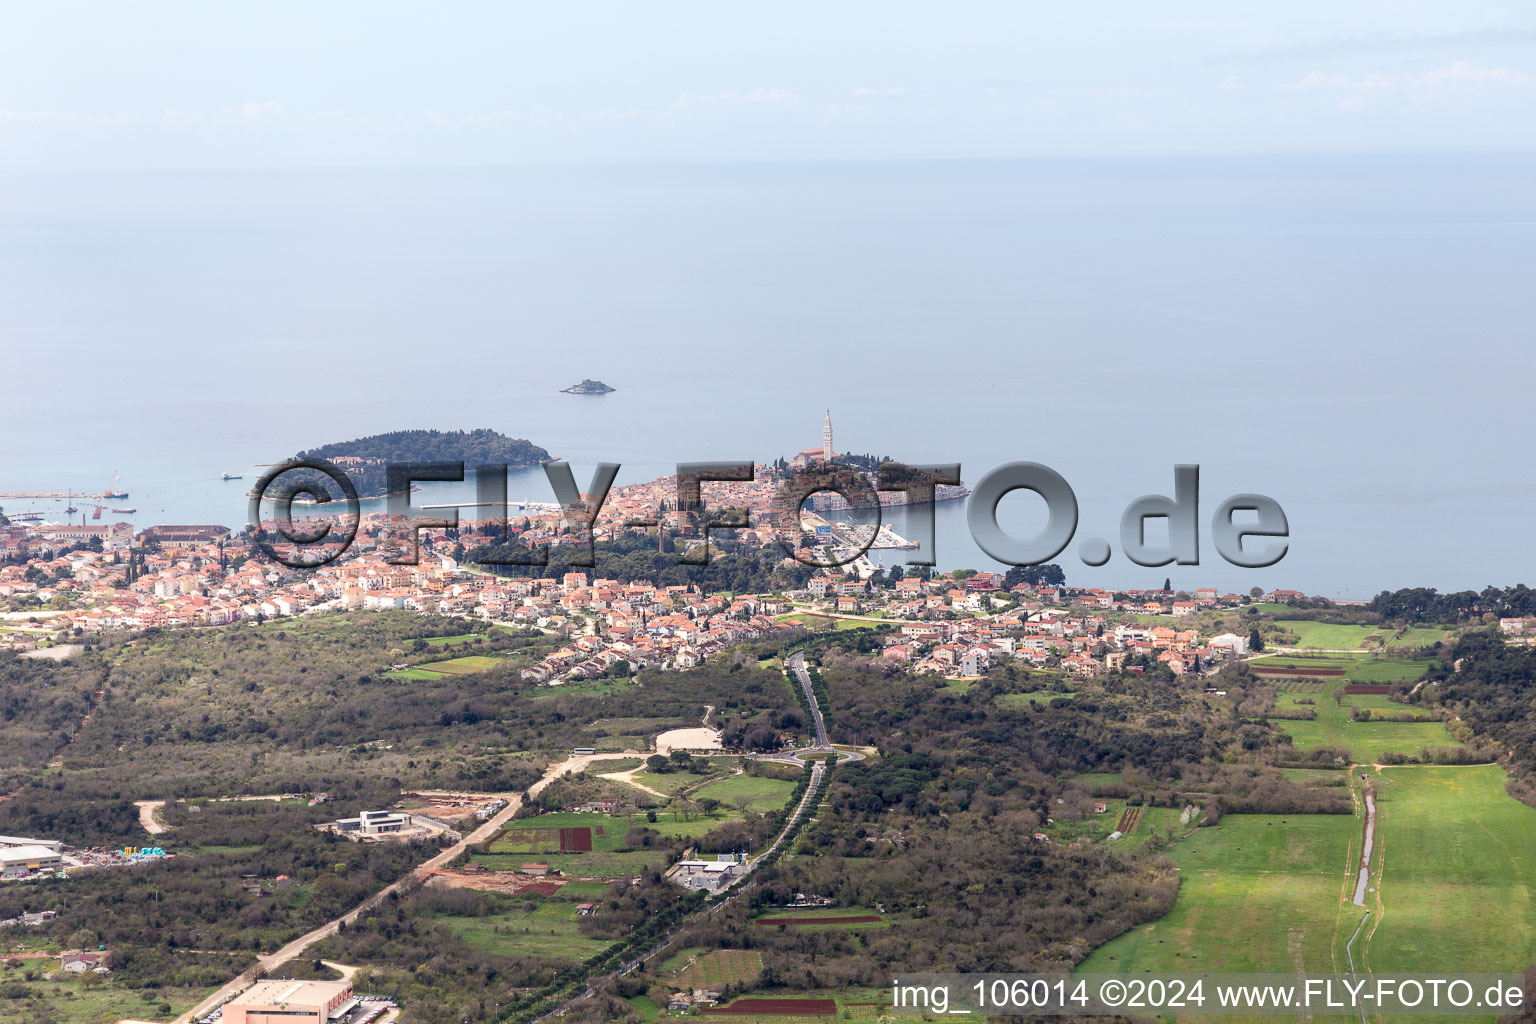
587 387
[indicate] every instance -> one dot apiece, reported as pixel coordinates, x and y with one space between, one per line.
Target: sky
175 85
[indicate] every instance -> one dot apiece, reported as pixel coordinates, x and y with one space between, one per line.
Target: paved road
818 773
575 763
797 666
295 948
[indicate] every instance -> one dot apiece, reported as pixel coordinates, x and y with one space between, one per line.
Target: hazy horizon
1344 334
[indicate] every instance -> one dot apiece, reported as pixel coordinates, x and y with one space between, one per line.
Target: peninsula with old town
637 767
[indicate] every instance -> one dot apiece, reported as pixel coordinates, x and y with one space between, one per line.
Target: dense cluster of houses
966 627
953 624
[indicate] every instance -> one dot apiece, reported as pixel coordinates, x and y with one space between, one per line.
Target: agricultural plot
617 764
454 641
1154 821
752 792
550 931
537 840
580 865
414 673
1316 776
1257 893
848 1006
801 918
1421 636
1095 826
1457 872
1365 741
586 688
1329 636
1388 671
1289 672
608 831
819 623
670 783
716 970
1454 874
1296 685
468 665
1095 779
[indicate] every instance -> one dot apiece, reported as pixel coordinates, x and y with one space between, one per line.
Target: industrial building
8 842
291 1002
21 860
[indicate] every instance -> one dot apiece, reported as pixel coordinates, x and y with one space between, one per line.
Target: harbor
843 539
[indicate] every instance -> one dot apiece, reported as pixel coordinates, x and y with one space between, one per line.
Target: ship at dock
114 491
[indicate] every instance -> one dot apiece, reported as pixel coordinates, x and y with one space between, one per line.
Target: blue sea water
1350 336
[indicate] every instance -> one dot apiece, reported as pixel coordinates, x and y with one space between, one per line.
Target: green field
1453 887
1329 636
579 865
1356 670
1458 873
1314 776
454 641
670 783
612 766
1366 741
585 688
815 622
1152 821
645 1007
694 968
1387 671
1094 779
520 843
1257 893
767 919
756 794
467 665
551 931
1421 636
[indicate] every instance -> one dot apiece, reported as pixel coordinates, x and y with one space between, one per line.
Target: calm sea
1349 336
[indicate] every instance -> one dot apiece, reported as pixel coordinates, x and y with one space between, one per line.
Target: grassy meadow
756 794
1457 872
1330 636
1366 741
1453 885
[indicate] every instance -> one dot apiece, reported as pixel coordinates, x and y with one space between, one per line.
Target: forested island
366 460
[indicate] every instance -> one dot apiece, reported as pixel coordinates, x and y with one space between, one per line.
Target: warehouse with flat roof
291 1002
47 844
22 860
